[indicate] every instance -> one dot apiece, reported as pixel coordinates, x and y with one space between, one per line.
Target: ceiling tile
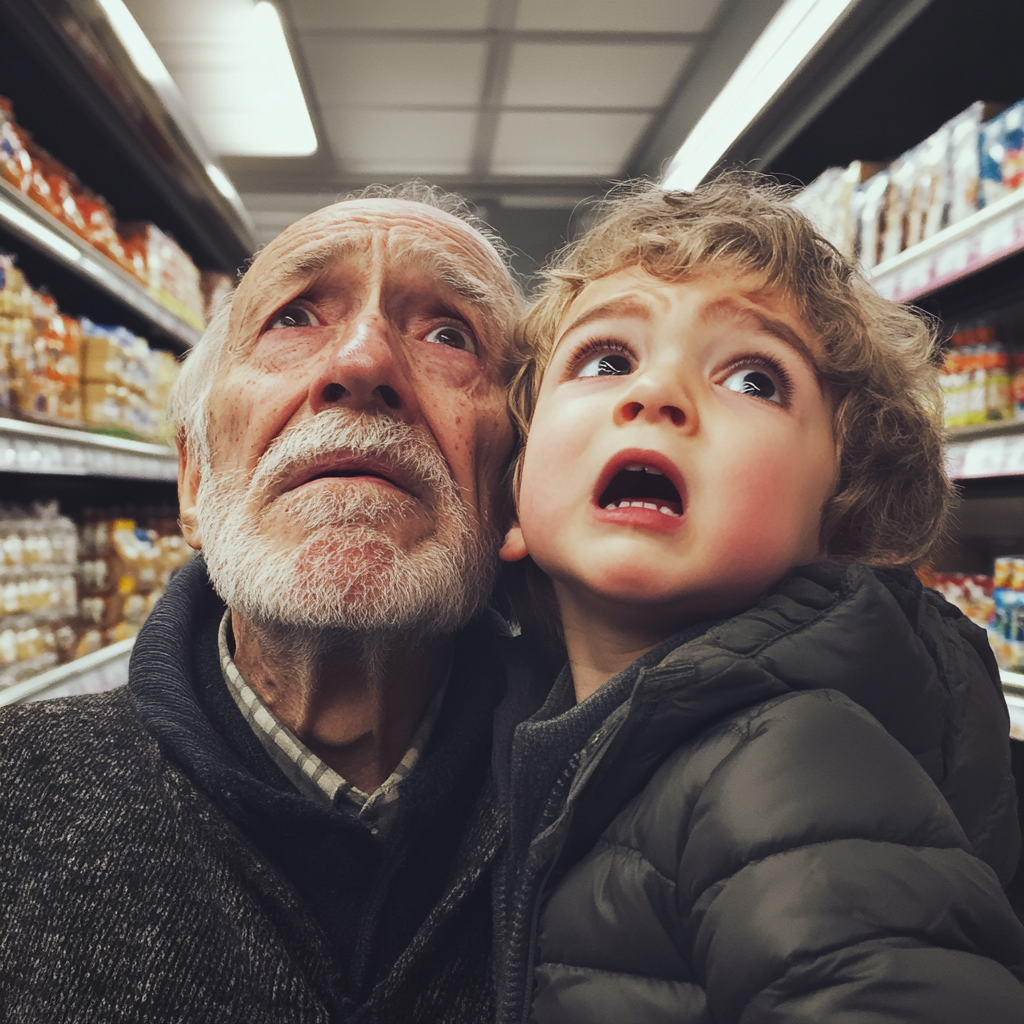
386 73
404 14
593 74
401 141
569 144
616 15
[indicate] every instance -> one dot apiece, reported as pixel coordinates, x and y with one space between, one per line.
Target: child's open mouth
641 486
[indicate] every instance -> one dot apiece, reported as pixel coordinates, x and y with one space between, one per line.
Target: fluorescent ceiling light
221 182
148 63
789 40
290 121
146 60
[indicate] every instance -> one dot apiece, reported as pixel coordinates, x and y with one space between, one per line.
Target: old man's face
357 427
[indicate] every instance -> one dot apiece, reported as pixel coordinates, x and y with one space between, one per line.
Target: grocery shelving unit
985 238
58 451
76 90
54 240
874 102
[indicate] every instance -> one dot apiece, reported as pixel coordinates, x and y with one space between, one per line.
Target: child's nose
649 400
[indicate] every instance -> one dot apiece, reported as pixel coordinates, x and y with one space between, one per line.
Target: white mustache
393 444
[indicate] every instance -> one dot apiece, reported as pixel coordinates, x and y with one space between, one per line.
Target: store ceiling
522 105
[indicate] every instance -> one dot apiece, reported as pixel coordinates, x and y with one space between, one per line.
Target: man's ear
514 549
188 487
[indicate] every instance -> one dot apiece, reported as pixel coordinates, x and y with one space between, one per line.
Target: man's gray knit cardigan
128 894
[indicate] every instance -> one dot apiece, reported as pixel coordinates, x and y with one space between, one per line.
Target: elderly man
284 816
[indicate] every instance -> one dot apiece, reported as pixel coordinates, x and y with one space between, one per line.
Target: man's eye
293 316
754 382
610 364
453 337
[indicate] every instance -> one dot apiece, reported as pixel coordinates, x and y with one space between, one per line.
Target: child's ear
514 548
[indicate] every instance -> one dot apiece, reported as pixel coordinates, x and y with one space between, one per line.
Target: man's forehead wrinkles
452 269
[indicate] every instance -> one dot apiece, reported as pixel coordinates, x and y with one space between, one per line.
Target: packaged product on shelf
928 204
902 177
38 597
1006 627
1017 383
1001 155
125 384
17 333
977 379
124 569
17 163
45 378
872 219
964 165
830 202
169 272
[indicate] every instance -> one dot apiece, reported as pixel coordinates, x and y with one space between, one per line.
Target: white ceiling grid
507 87
490 97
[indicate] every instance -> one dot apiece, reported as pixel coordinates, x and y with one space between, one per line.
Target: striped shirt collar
307 772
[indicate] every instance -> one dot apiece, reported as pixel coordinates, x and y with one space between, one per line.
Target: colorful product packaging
1001 155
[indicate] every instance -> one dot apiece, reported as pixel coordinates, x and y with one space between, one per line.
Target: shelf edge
20 692
970 228
47 234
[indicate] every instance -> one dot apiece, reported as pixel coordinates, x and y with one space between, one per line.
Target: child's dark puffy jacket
761 830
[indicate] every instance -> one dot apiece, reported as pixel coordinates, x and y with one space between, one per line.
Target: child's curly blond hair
880 367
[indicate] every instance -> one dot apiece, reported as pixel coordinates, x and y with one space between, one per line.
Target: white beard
347 575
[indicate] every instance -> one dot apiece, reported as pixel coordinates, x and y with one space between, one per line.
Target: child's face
681 450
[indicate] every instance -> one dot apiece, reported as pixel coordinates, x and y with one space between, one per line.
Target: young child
772 783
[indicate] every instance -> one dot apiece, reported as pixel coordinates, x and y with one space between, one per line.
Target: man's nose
654 397
364 369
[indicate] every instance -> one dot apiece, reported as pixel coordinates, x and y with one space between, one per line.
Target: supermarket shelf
38 448
976 431
44 232
987 456
962 249
105 669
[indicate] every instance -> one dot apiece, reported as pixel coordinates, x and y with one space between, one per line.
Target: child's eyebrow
729 309
625 306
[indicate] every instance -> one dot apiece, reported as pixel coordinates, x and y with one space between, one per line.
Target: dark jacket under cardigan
157 868
753 830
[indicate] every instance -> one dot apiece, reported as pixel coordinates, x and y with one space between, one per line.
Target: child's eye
608 364
293 316
453 337
754 382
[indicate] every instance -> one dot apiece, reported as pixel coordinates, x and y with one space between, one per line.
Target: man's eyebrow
450 269
314 260
729 309
627 306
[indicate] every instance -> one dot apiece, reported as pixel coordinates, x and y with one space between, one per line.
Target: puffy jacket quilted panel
755 877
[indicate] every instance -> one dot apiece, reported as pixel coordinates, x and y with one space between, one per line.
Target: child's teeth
611 507
650 505
655 472
668 511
